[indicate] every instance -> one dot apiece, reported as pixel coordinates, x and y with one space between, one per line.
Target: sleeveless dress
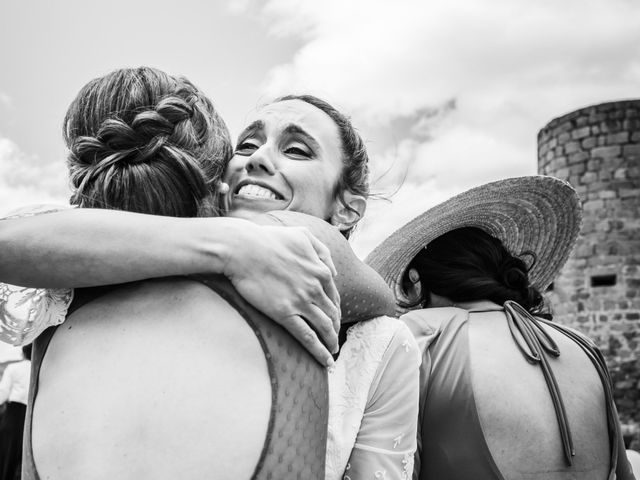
376 353
451 442
299 408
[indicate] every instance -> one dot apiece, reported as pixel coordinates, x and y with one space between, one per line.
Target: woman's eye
297 151
246 148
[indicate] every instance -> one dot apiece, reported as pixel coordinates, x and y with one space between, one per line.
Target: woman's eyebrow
253 127
293 129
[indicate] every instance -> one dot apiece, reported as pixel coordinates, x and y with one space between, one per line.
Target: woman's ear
348 210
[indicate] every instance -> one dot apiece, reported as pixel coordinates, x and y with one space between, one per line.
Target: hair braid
159 150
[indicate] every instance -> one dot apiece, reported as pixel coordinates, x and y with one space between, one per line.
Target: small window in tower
550 287
603 280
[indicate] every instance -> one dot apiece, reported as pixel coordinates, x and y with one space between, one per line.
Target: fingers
323 252
323 324
297 326
328 283
327 302
293 283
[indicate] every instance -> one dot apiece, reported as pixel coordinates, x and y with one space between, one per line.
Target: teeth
257 191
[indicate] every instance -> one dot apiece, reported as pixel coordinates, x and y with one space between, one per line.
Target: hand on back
288 274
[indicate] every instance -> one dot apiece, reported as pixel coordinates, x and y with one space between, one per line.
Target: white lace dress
373 386
373 403
27 312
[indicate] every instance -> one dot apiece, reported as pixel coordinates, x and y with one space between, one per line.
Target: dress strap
598 361
40 346
535 344
296 443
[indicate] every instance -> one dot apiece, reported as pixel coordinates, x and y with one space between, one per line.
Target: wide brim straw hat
537 214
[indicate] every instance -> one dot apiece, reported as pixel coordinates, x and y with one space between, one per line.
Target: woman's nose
261 161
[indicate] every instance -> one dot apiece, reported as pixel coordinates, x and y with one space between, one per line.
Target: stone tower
597 150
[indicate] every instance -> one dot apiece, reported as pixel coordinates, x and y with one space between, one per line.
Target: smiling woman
299 154
292 153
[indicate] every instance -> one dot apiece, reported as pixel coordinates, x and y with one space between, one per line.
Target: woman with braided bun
505 393
169 141
174 383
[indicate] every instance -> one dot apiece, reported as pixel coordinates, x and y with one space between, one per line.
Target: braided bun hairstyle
468 264
145 141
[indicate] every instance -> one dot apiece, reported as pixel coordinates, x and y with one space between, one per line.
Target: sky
448 94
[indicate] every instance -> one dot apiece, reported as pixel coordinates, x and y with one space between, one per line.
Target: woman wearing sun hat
504 394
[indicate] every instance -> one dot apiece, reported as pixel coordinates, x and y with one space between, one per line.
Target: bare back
159 380
516 411
487 414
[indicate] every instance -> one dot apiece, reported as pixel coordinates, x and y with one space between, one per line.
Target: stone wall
597 149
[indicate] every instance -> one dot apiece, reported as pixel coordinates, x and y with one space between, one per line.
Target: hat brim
537 214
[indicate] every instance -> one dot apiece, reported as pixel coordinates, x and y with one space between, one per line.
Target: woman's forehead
280 115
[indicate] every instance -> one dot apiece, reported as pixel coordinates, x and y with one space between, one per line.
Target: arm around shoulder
55 249
88 247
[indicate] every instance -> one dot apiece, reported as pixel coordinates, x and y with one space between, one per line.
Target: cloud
5 100
434 171
448 93
393 57
27 179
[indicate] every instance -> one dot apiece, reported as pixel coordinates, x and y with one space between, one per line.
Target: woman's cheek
236 163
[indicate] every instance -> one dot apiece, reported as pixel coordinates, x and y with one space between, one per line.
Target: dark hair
468 264
144 141
355 174
26 351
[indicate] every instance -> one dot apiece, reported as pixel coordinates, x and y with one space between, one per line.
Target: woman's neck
436 300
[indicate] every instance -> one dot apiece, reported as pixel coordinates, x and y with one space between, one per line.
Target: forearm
82 247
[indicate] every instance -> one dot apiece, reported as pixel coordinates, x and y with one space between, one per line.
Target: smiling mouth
256 191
